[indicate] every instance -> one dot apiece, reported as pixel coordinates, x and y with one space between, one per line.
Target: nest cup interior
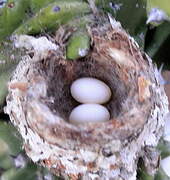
60 74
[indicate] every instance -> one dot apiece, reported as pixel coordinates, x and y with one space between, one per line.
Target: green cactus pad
12 14
52 16
78 45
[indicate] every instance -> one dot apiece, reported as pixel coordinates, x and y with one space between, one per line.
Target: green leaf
145 176
11 137
160 175
6 161
164 148
4 78
11 16
131 13
36 5
27 173
161 33
54 15
78 45
9 58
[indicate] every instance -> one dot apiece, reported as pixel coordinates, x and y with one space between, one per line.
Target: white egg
89 113
90 90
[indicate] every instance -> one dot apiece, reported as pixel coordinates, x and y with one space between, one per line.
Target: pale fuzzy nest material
39 103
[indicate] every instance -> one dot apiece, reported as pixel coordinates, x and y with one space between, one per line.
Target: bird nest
39 104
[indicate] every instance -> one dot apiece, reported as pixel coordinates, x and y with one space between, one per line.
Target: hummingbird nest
39 104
